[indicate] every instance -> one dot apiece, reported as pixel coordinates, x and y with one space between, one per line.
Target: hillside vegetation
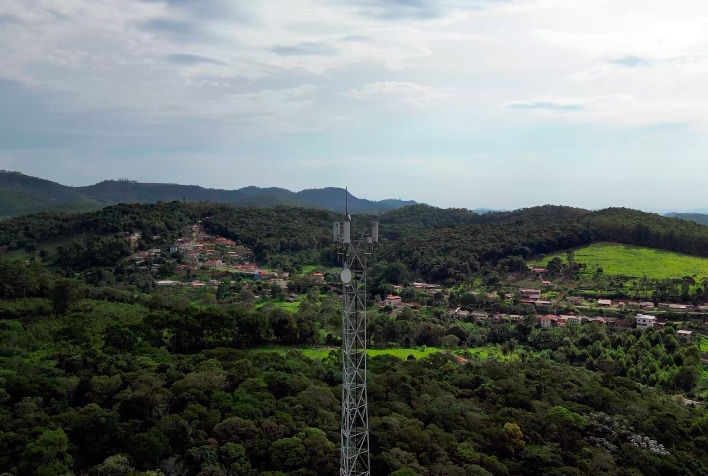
109 367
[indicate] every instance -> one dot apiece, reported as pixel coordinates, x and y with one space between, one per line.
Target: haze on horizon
456 103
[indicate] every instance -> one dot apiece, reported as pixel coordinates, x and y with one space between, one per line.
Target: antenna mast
354 457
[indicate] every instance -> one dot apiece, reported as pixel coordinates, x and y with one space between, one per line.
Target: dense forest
93 387
102 373
433 244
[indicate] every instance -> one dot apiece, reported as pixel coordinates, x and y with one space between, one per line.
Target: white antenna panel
346 235
375 232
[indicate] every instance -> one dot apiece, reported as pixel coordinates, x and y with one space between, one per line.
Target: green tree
49 454
65 294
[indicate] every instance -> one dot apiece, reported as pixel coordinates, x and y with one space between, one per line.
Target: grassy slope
635 261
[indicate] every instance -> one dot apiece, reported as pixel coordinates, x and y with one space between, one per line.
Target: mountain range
22 194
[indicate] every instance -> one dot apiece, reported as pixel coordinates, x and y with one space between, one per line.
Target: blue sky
457 103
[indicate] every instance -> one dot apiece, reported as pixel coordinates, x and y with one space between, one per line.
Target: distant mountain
21 194
700 218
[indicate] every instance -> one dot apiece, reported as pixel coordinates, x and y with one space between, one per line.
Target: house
545 321
283 284
604 302
318 276
167 282
542 303
684 335
531 293
575 300
479 315
645 322
545 283
646 305
392 300
214 263
678 307
538 270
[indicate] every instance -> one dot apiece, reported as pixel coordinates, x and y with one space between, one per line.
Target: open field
704 344
482 353
636 261
288 306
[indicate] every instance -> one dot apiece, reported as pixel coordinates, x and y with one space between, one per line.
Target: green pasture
288 306
483 353
636 261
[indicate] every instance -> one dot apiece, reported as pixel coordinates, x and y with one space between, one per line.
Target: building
531 293
545 283
545 321
479 316
684 335
604 302
646 305
392 300
167 282
575 300
645 322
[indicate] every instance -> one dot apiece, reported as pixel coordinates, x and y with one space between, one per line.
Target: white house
645 322
392 301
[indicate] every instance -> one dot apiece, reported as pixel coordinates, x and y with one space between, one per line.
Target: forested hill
700 218
21 194
432 243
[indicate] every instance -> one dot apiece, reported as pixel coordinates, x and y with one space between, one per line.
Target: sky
456 103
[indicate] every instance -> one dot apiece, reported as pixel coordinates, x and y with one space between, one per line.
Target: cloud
305 49
210 9
546 106
402 10
631 61
174 29
401 92
583 108
189 59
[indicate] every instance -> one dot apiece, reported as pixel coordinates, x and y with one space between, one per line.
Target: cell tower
354 457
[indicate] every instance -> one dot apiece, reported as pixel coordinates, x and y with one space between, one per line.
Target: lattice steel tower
354 457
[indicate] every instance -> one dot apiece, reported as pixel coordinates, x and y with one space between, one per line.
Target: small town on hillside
206 260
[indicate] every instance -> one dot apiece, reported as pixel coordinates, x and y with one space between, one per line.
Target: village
200 254
202 260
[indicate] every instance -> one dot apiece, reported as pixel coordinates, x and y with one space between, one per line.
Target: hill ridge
22 194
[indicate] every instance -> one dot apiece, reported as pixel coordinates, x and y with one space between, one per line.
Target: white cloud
396 91
278 78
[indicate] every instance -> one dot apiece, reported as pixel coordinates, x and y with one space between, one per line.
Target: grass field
635 261
322 352
288 306
704 344
482 353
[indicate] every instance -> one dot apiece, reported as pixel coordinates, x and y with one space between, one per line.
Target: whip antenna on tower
354 253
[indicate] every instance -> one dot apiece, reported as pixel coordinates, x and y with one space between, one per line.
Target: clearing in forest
637 261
